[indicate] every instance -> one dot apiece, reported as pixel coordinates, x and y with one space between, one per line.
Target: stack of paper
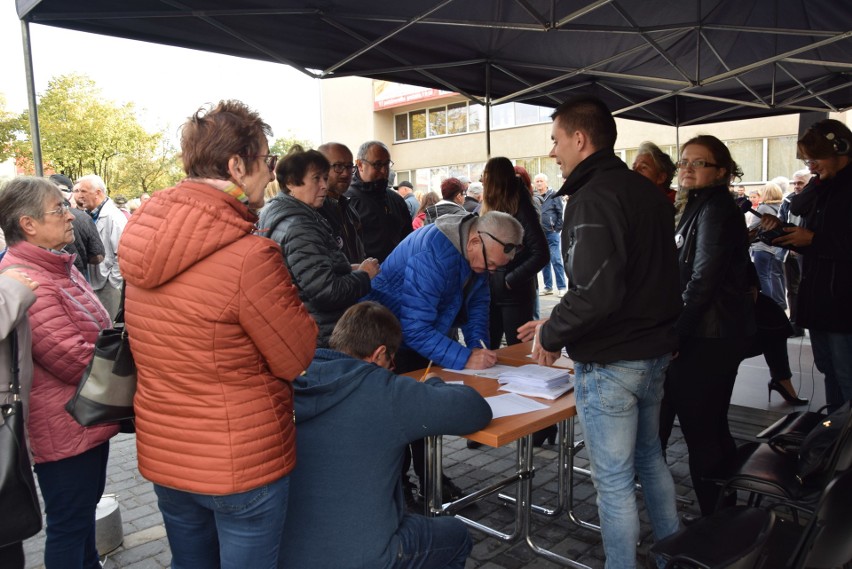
537 381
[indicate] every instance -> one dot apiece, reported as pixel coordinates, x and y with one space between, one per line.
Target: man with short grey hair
385 220
551 223
437 279
91 194
473 197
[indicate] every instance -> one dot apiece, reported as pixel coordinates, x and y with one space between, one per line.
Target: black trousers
506 318
699 384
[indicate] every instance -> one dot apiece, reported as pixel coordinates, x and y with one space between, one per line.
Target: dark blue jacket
551 212
422 283
353 422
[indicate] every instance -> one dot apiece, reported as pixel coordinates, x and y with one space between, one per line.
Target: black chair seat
764 471
730 538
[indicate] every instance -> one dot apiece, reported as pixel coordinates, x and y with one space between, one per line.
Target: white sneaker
562 292
547 291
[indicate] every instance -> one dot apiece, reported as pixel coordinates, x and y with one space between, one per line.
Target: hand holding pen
481 358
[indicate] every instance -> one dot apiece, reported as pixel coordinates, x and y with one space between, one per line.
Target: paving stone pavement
145 545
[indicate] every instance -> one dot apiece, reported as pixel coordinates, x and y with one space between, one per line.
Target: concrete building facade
435 134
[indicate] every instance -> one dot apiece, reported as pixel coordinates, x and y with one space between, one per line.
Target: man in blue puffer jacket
435 280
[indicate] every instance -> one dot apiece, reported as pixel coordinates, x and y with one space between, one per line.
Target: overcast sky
166 84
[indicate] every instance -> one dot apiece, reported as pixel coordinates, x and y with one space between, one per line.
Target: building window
417 124
475 118
401 126
781 157
457 118
438 121
748 154
526 114
503 116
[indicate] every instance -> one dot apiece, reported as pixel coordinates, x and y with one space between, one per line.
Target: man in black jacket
616 321
345 223
384 216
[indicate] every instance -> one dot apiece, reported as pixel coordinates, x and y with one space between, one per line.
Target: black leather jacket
712 242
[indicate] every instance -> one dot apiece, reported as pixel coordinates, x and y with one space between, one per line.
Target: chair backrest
827 541
841 458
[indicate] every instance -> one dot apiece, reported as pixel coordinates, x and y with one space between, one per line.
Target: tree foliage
83 133
282 145
151 165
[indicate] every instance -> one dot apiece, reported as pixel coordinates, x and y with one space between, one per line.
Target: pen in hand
482 343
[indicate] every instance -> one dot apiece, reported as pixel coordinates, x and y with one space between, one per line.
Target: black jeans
506 318
699 384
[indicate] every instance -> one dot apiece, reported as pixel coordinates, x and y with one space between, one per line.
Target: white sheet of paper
512 404
493 372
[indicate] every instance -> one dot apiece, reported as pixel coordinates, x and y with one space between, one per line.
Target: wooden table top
505 430
518 355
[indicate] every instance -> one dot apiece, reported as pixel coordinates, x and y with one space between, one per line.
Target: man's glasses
507 247
378 165
270 160
62 210
695 164
340 167
810 163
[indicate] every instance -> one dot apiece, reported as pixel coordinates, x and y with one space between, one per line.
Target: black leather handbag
105 393
20 513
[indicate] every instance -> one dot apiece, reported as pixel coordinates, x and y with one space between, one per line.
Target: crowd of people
273 333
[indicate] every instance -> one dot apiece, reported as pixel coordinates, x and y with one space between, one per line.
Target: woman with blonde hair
769 260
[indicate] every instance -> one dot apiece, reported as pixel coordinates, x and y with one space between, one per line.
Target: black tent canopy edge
673 62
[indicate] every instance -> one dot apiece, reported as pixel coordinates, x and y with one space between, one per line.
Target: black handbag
105 393
21 513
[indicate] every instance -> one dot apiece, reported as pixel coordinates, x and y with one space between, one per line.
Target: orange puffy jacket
218 332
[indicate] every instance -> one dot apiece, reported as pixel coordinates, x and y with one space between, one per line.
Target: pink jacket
65 321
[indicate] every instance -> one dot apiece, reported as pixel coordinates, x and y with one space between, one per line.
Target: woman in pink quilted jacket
70 460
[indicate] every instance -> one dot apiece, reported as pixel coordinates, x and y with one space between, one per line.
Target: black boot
548 434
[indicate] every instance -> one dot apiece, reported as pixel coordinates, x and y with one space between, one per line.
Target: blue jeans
833 357
72 488
770 272
555 262
619 408
427 543
227 532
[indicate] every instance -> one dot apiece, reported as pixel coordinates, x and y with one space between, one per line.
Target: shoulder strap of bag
14 367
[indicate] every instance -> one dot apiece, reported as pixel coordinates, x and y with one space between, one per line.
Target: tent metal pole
35 136
487 111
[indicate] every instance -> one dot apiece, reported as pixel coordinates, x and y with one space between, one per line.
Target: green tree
280 146
151 165
81 132
10 129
